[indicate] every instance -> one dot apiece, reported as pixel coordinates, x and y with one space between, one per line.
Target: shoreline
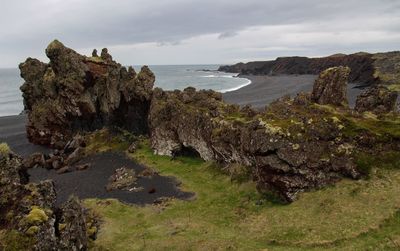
238 87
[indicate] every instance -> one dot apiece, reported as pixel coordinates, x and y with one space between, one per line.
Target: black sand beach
92 182
265 89
12 131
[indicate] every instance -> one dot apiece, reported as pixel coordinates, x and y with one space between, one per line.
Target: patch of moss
4 149
36 216
109 140
32 230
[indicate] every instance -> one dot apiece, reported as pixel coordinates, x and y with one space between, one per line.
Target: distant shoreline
264 89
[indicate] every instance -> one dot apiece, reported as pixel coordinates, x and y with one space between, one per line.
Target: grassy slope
352 215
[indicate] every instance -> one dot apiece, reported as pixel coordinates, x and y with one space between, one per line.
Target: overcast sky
194 32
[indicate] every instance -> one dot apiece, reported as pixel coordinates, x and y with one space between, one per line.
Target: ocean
168 77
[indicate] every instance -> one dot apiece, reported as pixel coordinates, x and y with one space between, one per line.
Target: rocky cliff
365 68
77 93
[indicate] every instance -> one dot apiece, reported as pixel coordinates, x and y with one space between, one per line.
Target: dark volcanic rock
377 99
330 88
77 93
289 148
29 209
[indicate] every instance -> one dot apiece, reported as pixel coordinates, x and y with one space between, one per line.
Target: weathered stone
77 93
73 234
330 88
75 156
33 211
376 99
82 167
65 169
132 148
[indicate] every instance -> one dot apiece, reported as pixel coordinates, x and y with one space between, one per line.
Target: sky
138 32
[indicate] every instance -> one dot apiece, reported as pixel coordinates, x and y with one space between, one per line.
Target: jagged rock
376 99
330 88
284 159
29 209
35 159
76 93
72 226
75 156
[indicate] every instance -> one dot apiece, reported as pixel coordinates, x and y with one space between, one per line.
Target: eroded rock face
376 99
29 209
78 93
286 150
330 88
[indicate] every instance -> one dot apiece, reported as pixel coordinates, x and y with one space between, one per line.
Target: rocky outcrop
77 93
290 147
376 99
330 88
29 210
286 151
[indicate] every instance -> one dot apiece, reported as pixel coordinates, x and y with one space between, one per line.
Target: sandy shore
265 89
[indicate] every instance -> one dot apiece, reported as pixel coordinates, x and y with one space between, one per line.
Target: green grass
225 215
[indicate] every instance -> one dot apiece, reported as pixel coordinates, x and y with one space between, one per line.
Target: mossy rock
36 216
32 230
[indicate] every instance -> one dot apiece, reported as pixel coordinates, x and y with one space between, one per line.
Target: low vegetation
229 215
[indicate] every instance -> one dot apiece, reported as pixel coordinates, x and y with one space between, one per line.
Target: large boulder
376 99
77 93
330 88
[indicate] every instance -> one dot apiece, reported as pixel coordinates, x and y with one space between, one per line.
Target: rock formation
77 93
376 99
330 88
290 147
29 210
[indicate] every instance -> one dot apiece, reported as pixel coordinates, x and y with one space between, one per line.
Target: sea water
168 77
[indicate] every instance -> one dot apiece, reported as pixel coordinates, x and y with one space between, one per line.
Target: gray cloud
27 26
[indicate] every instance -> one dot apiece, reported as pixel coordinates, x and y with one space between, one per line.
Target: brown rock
376 99
330 88
65 169
74 93
82 167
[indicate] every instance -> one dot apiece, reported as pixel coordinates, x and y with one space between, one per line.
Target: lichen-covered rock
376 99
72 226
330 88
290 147
77 93
29 209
